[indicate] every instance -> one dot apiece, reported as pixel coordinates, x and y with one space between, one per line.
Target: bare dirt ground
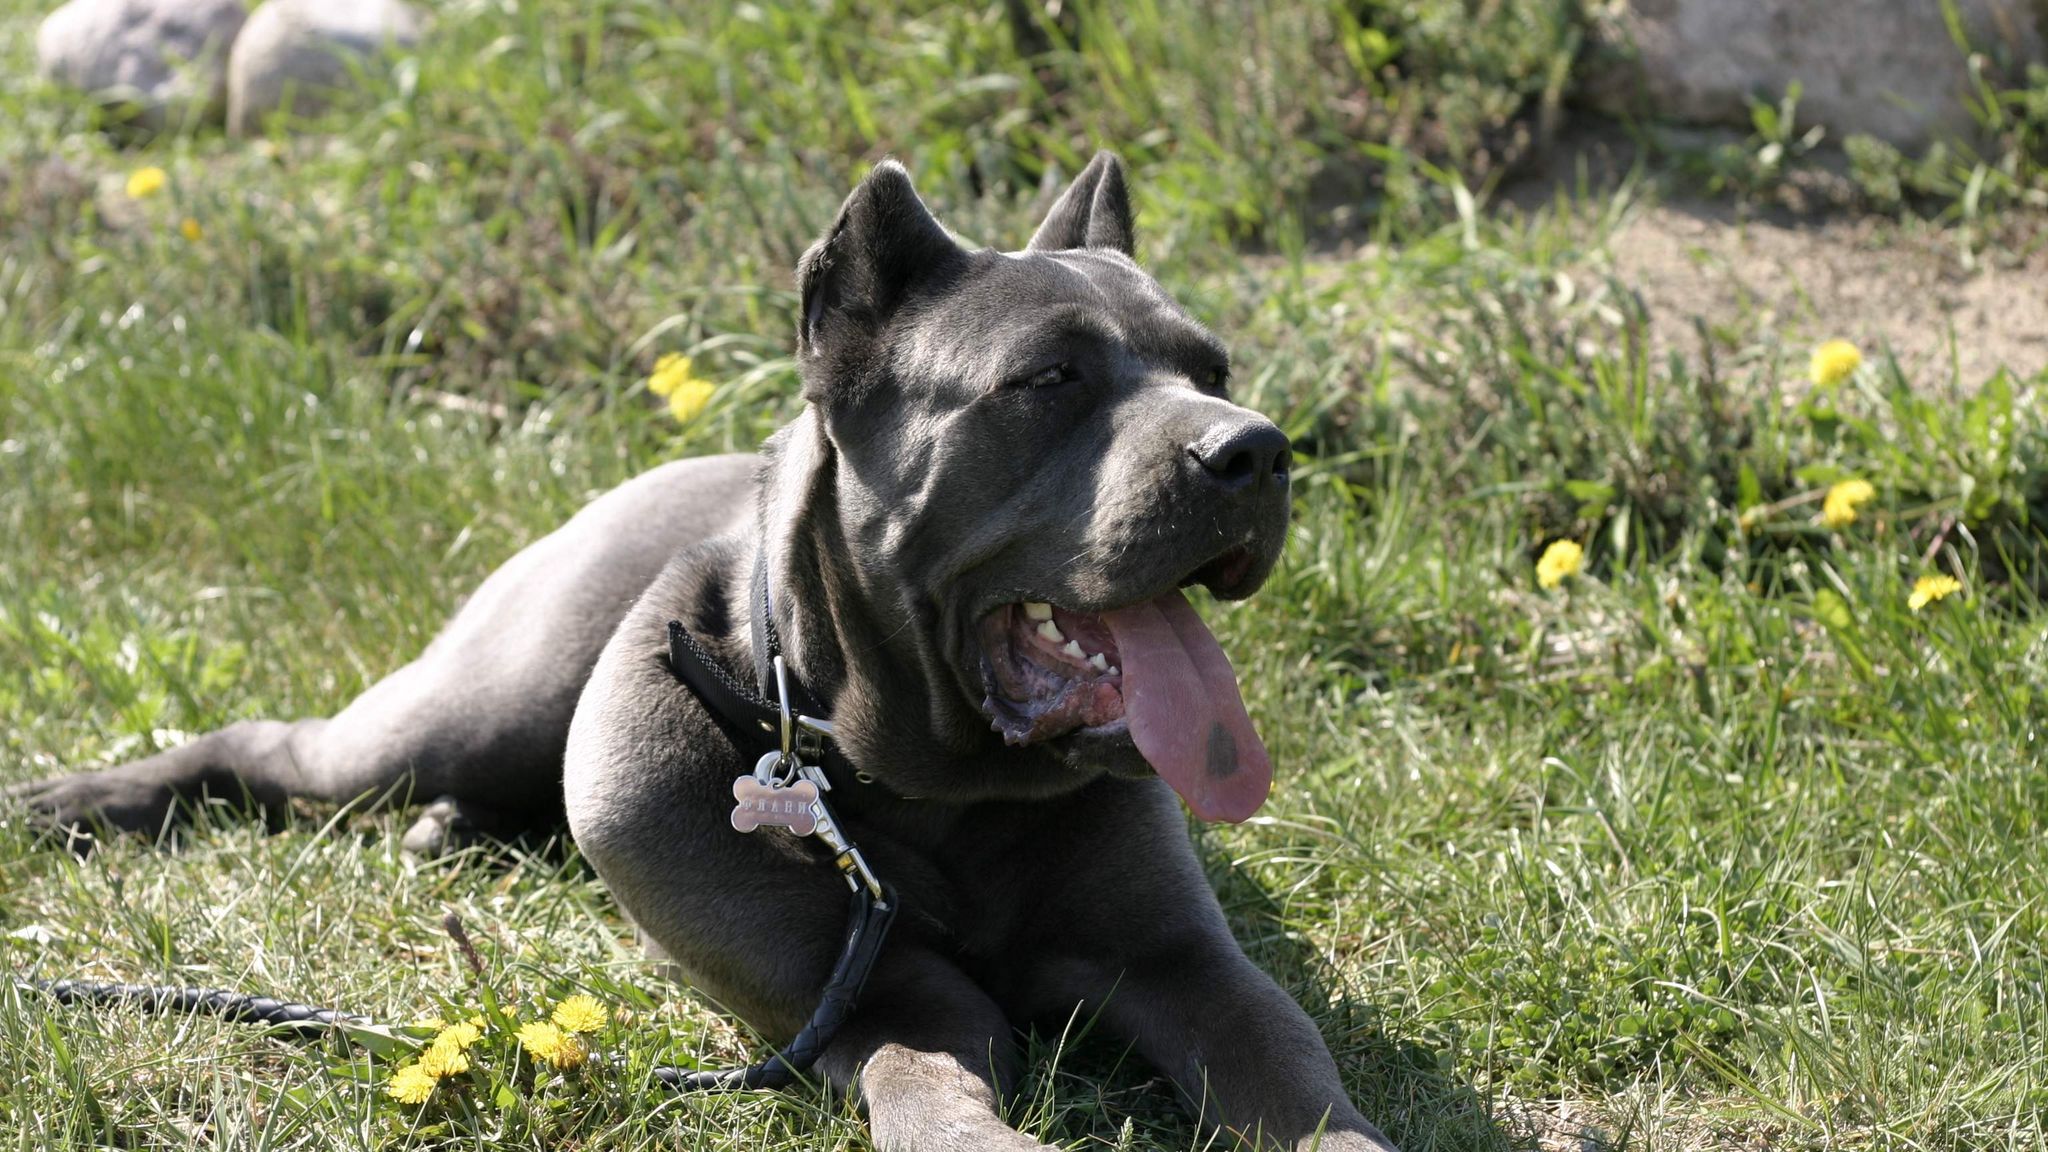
1819 273
1870 280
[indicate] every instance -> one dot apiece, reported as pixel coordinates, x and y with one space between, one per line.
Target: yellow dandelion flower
428 1021
687 401
461 1035
670 373
1563 558
540 1038
1833 362
686 392
411 1085
1839 509
549 1043
580 1014
444 1058
190 230
1928 589
146 182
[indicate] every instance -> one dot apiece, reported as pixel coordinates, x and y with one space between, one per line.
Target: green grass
1719 844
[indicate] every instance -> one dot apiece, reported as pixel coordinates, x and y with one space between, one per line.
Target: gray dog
973 542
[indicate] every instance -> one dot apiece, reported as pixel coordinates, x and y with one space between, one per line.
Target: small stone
296 54
164 61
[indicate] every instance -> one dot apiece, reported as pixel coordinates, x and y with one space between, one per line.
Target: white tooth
1098 662
1114 671
1050 631
1037 610
1073 649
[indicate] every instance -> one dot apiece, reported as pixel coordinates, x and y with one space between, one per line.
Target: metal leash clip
786 792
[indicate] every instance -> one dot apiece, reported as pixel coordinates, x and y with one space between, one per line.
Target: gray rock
165 60
1884 67
295 54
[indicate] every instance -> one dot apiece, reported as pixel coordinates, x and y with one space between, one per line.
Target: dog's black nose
1239 456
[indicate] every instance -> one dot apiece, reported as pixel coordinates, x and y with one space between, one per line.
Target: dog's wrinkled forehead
1025 311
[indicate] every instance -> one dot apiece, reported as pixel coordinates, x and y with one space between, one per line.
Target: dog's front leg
1249 1060
1132 931
928 1053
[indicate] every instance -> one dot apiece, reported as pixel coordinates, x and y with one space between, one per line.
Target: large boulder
295 54
1889 68
163 60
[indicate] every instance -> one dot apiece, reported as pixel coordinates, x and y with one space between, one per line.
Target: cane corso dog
974 540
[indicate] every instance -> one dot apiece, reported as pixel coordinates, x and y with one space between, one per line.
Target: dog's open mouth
1052 672
1151 668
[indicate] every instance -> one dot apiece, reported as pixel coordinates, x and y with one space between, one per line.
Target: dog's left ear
882 243
1094 211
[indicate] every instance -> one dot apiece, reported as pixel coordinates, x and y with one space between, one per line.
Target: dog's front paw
987 1135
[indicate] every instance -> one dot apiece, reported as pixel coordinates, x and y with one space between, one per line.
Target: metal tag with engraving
793 806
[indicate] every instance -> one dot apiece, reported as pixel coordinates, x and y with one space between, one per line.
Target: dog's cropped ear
1094 211
882 243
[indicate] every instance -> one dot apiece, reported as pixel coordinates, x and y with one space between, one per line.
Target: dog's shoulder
635 713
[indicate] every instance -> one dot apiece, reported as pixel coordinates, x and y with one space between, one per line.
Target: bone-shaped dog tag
792 806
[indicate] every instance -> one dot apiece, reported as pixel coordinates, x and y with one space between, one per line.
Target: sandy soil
1805 270
1870 280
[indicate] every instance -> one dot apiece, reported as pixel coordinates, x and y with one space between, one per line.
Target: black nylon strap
724 696
758 721
768 643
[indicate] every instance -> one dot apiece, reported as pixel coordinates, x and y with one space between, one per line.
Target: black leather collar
751 711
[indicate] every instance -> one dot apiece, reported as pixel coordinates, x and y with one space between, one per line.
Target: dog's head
1033 453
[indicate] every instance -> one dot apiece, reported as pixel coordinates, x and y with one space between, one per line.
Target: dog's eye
1216 378
1047 377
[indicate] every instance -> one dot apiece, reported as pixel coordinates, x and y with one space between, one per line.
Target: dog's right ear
1094 212
882 243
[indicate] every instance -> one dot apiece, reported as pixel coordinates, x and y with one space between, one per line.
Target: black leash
236 1006
867 923
792 769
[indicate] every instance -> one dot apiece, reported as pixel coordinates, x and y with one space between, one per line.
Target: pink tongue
1181 699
